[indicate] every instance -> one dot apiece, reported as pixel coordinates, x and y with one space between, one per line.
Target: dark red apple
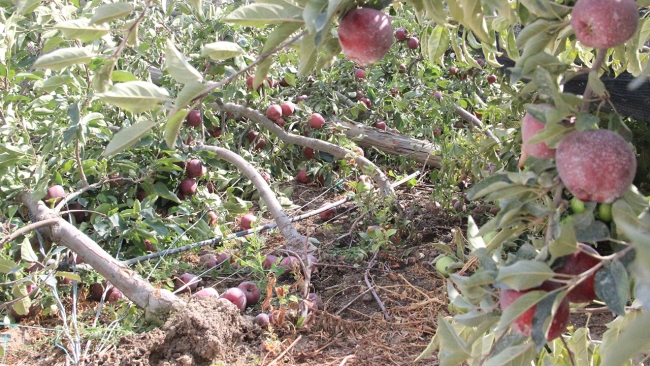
247 221
194 168
184 279
309 153
252 135
596 165
453 70
115 296
208 261
604 24
413 43
575 264
402 68
491 79
149 247
194 118
290 264
365 35
251 291
401 34
328 214
302 176
79 212
274 112
316 121
235 296
207 292
360 74
261 143
380 125
366 101
262 320
269 260
188 187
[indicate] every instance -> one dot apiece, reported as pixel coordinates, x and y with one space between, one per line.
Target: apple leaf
453 348
6 265
189 92
261 15
127 137
525 274
173 127
431 348
544 311
221 50
612 286
70 275
546 9
437 44
108 12
435 9
566 243
64 57
19 290
518 355
27 252
281 33
261 71
135 96
161 190
177 66
82 30
579 344
630 338
308 54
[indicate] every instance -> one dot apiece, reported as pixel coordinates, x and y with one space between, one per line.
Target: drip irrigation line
65 265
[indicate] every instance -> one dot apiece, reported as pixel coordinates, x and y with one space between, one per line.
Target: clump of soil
204 332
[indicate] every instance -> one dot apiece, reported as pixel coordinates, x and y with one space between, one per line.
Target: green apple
577 206
605 212
489 236
442 265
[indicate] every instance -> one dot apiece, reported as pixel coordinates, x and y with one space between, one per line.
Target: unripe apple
194 168
207 292
274 112
365 35
360 74
252 135
380 125
491 79
577 206
604 23
262 320
55 191
184 279
605 212
188 187
235 296
290 264
401 34
523 324
269 260
529 127
194 118
442 265
413 43
596 165
316 121
247 221
328 214
309 153
251 291
366 101
302 176
575 264
287 108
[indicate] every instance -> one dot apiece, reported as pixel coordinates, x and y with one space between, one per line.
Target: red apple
313 301
249 83
188 187
529 127
252 135
438 95
290 264
79 214
366 101
402 68
453 70
261 143
55 191
575 264
280 122
149 247
284 83
596 165
316 121
262 320
360 74
302 98
365 35
274 112
313 261
97 290
309 153
208 261
247 221
380 125
235 296
207 292
251 291
491 79
480 62
184 279
194 168
115 296
302 176
214 219
269 260
328 214
194 118
604 23
413 43
401 34
287 108
216 132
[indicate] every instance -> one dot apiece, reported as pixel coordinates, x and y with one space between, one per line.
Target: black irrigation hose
65 265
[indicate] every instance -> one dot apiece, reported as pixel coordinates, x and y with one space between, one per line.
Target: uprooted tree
80 109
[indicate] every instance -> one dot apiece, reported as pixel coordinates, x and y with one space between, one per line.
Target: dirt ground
349 328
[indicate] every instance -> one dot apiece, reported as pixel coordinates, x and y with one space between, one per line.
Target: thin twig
346 359
464 114
374 294
81 168
285 351
28 228
598 62
351 302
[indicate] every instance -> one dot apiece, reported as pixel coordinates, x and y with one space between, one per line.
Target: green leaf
438 44
161 190
177 66
56 81
612 286
431 348
6 265
108 12
127 137
488 185
261 15
70 275
19 289
281 33
121 76
173 127
64 57
82 30
308 54
189 92
546 9
632 337
435 9
27 252
261 71
453 348
135 96
525 274
518 355
474 19
221 50
565 244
